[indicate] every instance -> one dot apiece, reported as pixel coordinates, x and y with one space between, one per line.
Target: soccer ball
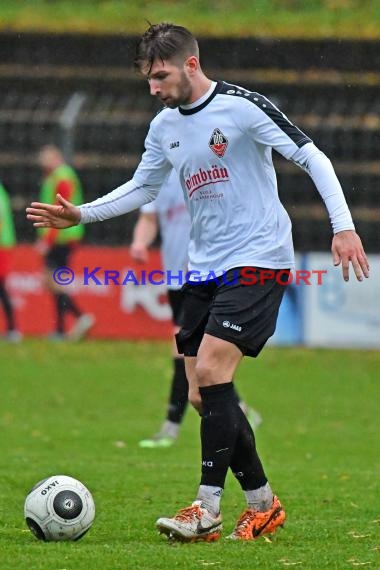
59 508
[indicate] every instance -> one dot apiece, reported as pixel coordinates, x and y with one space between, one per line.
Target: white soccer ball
59 508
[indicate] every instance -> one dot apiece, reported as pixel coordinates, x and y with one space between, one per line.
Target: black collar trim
218 87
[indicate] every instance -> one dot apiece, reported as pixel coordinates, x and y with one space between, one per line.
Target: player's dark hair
164 41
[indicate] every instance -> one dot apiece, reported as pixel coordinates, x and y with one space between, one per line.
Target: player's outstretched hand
60 216
347 248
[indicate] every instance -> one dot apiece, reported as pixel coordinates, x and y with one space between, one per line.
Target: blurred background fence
81 92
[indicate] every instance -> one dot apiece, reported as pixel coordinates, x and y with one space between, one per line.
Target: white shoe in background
83 324
13 336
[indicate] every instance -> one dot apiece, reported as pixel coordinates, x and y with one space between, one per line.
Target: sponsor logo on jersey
204 177
218 143
174 144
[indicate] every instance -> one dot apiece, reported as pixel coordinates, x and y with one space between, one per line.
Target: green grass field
279 18
81 410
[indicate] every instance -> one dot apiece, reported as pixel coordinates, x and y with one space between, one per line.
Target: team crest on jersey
218 143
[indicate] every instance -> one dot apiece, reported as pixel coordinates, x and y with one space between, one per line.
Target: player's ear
192 64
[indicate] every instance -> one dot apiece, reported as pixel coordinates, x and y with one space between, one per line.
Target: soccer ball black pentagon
59 508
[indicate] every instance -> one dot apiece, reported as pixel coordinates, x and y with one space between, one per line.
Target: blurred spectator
7 241
58 246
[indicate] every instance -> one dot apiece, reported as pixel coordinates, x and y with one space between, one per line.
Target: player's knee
205 372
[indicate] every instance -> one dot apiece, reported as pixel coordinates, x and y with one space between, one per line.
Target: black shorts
244 315
175 297
58 256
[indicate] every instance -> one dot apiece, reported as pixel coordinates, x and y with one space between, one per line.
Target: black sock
179 392
61 309
219 430
70 305
245 462
65 303
7 305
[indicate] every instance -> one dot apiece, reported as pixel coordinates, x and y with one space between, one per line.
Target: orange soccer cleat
253 524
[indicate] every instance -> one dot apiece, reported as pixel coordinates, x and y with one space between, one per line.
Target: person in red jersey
56 246
7 242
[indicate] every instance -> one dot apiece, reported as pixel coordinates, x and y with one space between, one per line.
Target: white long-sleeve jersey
221 148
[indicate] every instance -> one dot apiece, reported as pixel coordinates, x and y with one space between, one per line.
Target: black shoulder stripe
293 132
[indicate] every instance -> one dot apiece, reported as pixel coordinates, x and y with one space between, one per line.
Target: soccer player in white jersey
219 139
169 216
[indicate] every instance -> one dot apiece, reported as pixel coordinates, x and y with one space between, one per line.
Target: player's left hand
347 248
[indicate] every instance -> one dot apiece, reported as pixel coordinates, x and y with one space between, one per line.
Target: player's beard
184 93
